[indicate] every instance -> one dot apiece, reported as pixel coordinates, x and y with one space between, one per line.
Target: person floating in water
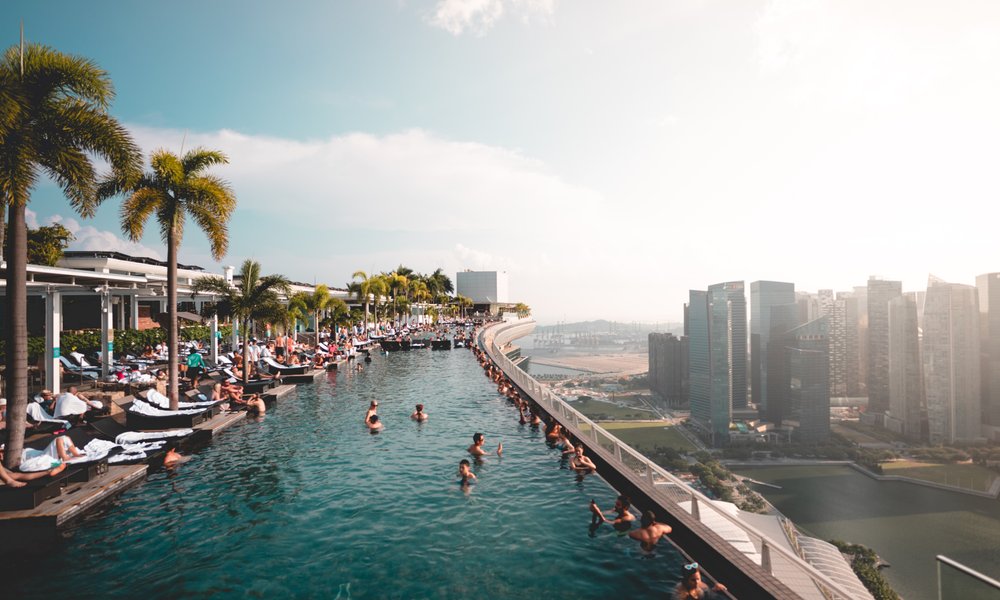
477 450
419 414
372 409
465 473
650 532
374 424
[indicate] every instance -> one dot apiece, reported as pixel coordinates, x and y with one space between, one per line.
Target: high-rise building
808 306
730 297
764 295
861 293
784 320
668 368
951 362
880 293
808 360
707 318
906 385
841 312
483 287
988 287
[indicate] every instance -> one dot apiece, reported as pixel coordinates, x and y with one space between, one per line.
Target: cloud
479 16
411 181
89 237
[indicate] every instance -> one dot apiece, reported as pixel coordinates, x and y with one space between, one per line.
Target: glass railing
660 482
957 581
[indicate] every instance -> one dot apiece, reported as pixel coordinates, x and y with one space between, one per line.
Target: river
907 524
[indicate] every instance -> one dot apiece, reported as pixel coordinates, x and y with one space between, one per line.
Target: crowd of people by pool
649 532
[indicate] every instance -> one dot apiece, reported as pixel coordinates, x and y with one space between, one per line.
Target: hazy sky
608 155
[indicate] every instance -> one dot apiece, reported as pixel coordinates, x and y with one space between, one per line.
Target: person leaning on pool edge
691 587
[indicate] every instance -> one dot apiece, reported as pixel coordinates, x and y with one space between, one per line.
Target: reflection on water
306 504
908 525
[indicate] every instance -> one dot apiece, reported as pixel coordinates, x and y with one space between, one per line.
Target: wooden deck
42 522
278 392
219 422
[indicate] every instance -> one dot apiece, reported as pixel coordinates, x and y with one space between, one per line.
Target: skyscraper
784 320
808 359
730 297
906 385
951 362
841 312
988 286
763 295
880 292
707 319
668 368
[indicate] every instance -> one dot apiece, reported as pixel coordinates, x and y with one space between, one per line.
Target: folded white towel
135 437
144 408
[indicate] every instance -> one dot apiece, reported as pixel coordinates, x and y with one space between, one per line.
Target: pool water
306 503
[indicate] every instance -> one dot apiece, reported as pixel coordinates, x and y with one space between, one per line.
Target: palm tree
256 298
362 289
522 309
442 281
379 288
53 122
176 187
297 310
317 302
397 283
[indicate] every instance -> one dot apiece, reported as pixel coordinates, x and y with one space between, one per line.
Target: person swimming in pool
374 424
477 450
465 473
372 409
650 532
622 522
419 414
580 463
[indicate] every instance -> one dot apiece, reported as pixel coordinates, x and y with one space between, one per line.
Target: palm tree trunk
245 324
3 221
16 337
172 358
366 315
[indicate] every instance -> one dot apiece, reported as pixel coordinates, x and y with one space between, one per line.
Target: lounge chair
276 367
254 386
83 373
141 415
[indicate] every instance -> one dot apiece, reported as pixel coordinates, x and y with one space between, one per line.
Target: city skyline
489 145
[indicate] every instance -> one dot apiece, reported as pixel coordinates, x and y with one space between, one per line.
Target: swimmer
374 424
692 587
477 450
465 472
580 463
650 533
623 522
372 409
419 414
172 457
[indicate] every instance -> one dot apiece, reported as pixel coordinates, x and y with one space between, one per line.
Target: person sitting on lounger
74 404
374 424
419 414
16 479
580 463
477 450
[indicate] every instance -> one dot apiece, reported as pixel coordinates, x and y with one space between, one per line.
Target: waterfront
307 504
906 524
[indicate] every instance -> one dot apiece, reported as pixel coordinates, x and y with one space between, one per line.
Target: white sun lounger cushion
141 407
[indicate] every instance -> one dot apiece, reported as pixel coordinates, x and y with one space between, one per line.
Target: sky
610 156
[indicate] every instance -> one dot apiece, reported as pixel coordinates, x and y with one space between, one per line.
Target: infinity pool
306 503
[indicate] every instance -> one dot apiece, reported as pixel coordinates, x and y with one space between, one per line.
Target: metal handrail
506 332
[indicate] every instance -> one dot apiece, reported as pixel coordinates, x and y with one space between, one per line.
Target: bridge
751 563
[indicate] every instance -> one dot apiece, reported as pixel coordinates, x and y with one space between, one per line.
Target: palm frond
199 159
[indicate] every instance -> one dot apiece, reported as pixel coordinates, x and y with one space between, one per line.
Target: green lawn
646 436
968 476
600 411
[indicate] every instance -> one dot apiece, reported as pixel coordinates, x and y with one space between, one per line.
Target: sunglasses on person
691 567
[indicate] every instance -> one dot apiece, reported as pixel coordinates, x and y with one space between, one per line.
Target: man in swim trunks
649 534
477 450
